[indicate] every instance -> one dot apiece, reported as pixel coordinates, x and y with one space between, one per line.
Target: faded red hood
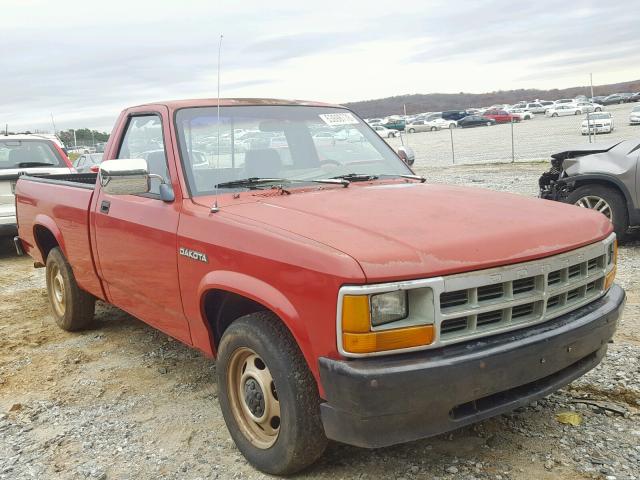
412 230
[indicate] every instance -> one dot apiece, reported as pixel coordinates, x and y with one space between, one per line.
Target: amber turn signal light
388 339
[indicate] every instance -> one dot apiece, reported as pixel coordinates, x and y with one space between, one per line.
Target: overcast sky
85 61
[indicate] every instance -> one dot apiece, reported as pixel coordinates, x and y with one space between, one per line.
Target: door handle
104 206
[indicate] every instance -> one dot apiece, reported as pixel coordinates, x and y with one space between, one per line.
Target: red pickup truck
342 296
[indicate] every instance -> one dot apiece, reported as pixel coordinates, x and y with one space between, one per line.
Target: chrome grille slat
519 299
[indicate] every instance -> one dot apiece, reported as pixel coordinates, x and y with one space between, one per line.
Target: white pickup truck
31 154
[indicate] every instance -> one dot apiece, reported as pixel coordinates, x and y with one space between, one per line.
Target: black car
454 114
475 121
616 98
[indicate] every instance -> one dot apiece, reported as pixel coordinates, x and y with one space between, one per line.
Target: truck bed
81 180
60 204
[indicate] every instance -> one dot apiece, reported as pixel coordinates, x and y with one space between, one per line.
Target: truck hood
412 230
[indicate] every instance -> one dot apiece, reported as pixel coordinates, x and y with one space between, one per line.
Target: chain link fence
524 141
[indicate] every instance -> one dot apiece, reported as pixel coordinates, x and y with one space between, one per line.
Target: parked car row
523 110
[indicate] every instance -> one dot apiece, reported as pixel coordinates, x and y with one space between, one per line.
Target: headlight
388 307
373 321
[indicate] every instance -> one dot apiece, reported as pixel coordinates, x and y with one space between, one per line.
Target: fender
42 220
577 180
256 290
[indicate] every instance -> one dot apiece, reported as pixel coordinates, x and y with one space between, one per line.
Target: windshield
290 142
599 116
28 153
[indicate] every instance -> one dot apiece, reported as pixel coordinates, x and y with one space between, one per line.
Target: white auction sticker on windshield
334 119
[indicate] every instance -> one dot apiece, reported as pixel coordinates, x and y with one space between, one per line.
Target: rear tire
268 351
589 196
412 130
433 129
554 115
72 308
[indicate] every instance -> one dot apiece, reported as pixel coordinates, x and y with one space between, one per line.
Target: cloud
85 65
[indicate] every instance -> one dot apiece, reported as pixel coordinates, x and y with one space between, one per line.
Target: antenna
215 208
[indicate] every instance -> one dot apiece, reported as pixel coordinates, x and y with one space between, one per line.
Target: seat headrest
264 162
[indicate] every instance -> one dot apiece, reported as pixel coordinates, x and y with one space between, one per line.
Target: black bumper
8 230
383 401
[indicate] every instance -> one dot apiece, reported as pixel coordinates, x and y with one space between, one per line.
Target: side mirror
406 155
124 176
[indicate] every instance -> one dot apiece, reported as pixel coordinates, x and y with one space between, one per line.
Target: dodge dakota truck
342 296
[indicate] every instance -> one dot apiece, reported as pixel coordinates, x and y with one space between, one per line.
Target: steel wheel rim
253 398
594 202
58 292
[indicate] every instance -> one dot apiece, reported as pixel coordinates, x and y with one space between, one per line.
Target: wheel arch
611 182
47 236
226 296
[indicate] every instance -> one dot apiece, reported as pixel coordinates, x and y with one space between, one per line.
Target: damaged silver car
600 176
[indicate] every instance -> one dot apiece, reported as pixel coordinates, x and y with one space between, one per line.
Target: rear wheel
605 200
598 109
268 396
412 130
554 115
489 124
621 102
72 308
433 129
452 125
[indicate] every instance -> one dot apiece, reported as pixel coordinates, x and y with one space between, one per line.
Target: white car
601 122
535 107
430 125
521 113
28 154
563 110
385 132
588 107
634 116
565 101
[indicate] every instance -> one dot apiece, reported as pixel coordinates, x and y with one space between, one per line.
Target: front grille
501 299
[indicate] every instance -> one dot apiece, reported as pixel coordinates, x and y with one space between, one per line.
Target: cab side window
143 139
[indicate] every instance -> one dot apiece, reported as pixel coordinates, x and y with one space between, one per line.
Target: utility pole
75 142
591 82
55 130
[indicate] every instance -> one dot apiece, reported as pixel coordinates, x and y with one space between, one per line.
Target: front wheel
554 115
268 396
605 200
621 102
433 129
452 125
598 109
72 308
489 124
412 130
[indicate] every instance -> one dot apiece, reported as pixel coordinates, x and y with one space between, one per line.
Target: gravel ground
533 139
123 401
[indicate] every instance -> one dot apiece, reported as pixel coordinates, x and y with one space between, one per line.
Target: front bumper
603 129
383 401
8 226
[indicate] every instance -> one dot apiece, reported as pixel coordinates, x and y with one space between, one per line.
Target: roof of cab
226 102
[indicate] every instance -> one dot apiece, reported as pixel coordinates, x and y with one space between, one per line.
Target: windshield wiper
34 164
255 182
249 182
364 177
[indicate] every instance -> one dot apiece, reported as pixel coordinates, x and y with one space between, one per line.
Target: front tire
598 109
607 201
412 130
72 308
554 115
268 396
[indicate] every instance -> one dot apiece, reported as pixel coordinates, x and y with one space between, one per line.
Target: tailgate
7 190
